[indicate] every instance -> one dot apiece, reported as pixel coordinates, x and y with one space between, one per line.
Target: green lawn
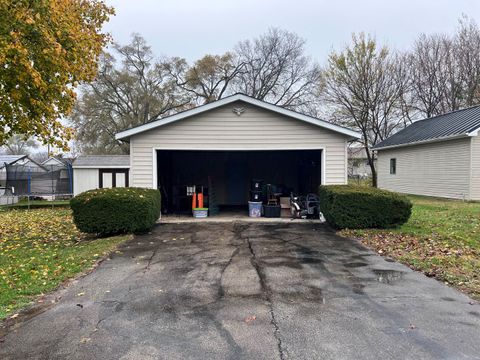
36 204
38 250
442 239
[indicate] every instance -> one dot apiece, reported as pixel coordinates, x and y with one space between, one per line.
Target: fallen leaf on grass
84 340
249 319
14 316
80 294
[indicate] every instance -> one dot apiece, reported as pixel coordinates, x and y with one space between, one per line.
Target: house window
109 178
393 166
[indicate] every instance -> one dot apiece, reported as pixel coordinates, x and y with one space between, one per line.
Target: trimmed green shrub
360 207
116 210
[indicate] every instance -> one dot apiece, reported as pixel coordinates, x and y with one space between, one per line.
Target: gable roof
10 159
452 125
231 99
102 161
53 158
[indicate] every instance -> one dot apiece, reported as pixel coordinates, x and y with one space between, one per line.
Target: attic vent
238 111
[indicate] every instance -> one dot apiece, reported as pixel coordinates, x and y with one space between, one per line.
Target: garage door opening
226 175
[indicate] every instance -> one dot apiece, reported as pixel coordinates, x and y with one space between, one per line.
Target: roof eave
445 138
238 97
101 167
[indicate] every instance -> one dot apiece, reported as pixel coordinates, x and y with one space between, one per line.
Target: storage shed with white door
100 171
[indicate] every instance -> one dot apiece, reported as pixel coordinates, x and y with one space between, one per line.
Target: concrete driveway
250 291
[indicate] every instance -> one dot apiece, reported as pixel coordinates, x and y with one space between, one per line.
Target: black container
256 195
256 185
271 211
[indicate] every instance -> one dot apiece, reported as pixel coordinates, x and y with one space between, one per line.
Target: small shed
438 156
100 171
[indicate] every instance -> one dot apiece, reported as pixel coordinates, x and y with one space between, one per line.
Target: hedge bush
359 207
116 210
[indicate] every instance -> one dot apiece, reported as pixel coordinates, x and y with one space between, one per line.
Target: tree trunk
371 163
374 175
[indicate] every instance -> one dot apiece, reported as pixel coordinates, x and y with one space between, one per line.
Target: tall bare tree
467 54
277 70
209 78
444 70
363 85
130 91
18 145
428 65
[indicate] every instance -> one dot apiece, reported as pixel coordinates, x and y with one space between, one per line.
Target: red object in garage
194 200
200 200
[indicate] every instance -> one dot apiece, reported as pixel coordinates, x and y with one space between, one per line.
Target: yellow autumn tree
46 48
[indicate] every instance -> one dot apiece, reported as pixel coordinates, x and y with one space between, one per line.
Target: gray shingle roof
449 125
102 160
9 159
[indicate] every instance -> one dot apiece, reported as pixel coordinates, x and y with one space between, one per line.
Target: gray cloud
192 28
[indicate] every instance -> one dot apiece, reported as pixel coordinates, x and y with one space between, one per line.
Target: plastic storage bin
200 212
271 211
255 208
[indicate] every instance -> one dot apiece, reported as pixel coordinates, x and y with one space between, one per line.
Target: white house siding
221 129
437 169
475 185
84 179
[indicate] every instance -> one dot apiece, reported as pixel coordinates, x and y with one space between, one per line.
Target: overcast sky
193 28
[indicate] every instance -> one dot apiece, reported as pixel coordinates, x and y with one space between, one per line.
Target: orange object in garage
194 200
200 200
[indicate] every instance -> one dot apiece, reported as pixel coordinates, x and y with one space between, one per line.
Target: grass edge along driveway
39 250
441 239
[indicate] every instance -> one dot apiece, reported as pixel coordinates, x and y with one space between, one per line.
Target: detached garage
225 144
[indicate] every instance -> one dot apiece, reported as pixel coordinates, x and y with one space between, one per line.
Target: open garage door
228 174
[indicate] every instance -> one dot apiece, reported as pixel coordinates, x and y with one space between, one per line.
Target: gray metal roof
9 159
98 161
450 125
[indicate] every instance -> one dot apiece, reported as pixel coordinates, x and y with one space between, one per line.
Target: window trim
114 173
393 166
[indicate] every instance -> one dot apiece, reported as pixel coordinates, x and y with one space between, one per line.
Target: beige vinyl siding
475 185
436 169
221 129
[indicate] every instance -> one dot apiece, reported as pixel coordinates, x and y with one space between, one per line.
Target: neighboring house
439 156
55 163
358 166
228 142
61 172
100 171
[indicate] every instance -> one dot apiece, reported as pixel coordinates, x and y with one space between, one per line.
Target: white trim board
101 167
421 142
231 99
55 159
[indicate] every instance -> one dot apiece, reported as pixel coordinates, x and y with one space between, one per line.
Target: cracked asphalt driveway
250 291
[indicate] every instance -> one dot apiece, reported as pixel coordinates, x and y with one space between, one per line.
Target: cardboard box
285 213
285 202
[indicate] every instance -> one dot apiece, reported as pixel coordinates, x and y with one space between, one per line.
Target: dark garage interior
225 176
